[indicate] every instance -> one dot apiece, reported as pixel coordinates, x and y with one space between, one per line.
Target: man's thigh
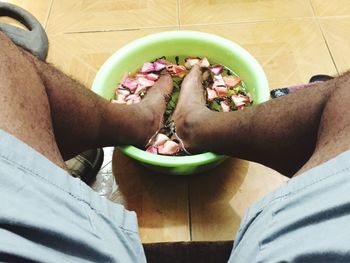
306 220
48 216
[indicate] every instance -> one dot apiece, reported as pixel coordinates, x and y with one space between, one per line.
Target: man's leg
283 133
334 128
82 120
24 107
42 106
44 213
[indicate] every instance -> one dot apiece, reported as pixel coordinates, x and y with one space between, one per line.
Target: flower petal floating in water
160 139
169 148
219 86
163 61
152 149
217 69
211 94
145 82
178 70
232 81
123 91
147 67
152 76
130 83
240 100
224 106
158 66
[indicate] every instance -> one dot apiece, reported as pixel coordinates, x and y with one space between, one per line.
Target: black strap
34 39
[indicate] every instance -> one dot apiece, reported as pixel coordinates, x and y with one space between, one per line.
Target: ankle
191 126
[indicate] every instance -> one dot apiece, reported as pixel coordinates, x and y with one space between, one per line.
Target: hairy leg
82 120
24 107
75 119
283 133
334 127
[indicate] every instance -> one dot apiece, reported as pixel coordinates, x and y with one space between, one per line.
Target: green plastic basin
180 43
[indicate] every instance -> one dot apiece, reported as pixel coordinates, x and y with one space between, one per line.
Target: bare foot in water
147 116
191 113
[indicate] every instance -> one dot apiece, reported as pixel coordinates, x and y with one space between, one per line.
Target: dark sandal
86 165
320 77
275 93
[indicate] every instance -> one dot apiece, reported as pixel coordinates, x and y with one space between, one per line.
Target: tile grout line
189 208
179 26
114 30
251 21
48 15
323 36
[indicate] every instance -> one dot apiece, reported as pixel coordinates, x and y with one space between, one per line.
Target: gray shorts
48 216
305 220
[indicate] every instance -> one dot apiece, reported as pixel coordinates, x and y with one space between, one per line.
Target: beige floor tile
337 33
290 51
160 201
91 15
38 8
331 8
220 197
81 55
223 11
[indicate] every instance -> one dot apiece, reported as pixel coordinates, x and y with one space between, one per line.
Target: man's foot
191 110
147 116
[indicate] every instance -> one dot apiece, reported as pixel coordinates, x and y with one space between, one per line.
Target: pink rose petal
147 67
152 76
129 83
179 70
232 81
163 61
217 69
152 149
221 91
240 100
219 86
169 148
160 139
211 94
123 91
158 66
145 82
224 106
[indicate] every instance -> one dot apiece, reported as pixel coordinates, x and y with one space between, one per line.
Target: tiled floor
292 39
